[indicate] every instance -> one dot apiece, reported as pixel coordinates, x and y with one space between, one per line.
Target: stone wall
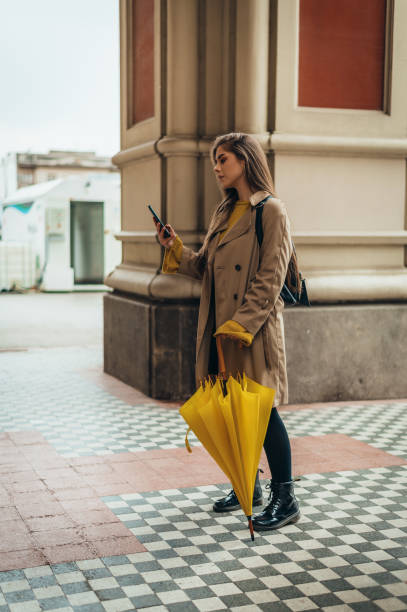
349 352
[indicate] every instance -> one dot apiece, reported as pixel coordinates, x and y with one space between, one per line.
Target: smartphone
158 220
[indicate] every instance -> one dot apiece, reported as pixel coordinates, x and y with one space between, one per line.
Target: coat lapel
241 226
219 227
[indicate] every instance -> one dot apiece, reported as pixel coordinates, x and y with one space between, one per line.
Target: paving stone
346 552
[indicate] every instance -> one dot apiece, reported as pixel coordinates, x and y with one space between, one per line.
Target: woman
240 301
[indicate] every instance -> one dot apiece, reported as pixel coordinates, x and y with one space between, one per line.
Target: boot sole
290 519
257 502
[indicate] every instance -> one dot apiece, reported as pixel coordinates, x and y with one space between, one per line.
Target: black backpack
294 291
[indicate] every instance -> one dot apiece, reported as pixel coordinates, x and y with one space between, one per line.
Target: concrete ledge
346 352
334 353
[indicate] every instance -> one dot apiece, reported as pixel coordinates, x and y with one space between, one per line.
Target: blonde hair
258 176
256 171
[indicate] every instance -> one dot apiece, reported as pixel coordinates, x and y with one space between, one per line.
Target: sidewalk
102 508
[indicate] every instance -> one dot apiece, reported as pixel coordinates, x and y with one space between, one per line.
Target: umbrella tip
251 528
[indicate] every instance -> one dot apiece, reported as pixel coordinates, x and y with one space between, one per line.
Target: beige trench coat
247 280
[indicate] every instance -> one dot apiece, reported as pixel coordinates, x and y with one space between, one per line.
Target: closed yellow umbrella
230 417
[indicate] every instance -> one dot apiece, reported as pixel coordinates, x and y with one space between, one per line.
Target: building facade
25 169
321 85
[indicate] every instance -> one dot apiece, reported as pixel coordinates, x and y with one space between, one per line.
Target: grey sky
59 75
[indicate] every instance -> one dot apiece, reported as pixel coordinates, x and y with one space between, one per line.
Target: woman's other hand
165 242
232 330
233 338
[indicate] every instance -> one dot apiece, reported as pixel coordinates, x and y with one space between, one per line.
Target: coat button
238 267
235 296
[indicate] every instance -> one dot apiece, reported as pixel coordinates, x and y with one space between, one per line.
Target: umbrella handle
221 358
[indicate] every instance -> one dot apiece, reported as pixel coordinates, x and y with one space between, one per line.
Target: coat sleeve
235 330
275 254
192 263
172 257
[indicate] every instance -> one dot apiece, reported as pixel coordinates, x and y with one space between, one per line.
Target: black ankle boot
230 502
282 509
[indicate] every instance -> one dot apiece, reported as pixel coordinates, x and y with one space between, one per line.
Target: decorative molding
358 286
330 238
338 145
277 142
323 287
149 282
145 150
174 146
351 238
140 237
190 237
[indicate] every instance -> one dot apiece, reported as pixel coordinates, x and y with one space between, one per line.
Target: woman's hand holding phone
165 233
165 242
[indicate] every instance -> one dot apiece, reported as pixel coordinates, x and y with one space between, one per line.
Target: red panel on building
143 60
341 53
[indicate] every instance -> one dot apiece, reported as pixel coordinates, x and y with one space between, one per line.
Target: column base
150 345
348 352
334 353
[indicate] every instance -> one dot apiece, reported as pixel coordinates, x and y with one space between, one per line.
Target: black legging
277 448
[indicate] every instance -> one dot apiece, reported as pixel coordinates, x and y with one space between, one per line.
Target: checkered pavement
78 418
380 425
349 547
347 552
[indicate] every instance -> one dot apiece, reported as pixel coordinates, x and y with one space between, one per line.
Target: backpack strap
258 224
288 297
285 292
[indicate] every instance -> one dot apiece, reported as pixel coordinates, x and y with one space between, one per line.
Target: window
342 48
142 61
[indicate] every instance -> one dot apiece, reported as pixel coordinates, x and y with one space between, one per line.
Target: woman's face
228 168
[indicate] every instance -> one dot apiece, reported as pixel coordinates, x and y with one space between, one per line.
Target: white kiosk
63 230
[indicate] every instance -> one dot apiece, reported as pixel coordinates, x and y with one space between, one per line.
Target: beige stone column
252 67
150 317
164 161
158 159
232 65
